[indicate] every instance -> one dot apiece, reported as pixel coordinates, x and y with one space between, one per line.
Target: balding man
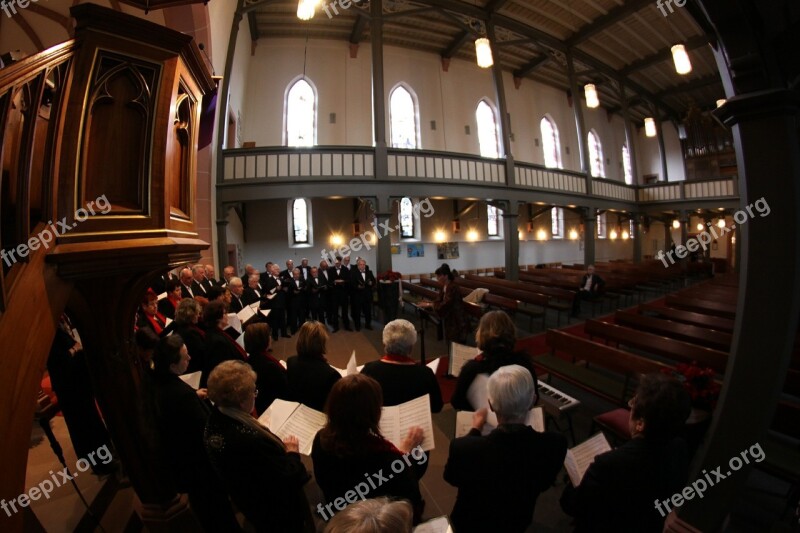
286 275
186 283
228 273
211 277
305 270
236 287
252 293
199 280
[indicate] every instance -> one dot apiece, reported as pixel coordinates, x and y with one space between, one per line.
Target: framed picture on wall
416 250
447 250
395 249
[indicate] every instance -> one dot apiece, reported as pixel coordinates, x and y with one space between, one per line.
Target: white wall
648 159
449 98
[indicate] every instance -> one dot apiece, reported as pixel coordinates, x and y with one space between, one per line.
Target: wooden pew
717 340
689 317
707 307
625 366
529 303
671 349
560 300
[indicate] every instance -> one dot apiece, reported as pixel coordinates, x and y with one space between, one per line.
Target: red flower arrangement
389 275
699 383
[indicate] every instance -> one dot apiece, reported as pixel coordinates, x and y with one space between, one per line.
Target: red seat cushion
615 422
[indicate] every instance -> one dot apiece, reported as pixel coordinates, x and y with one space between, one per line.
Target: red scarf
174 302
157 321
272 359
242 354
392 358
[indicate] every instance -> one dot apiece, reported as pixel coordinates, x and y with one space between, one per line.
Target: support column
668 242
579 126
222 235
383 212
589 234
378 91
511 230
502 106
637 238
662 151
683 217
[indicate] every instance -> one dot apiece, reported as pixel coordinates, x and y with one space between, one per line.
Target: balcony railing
327 163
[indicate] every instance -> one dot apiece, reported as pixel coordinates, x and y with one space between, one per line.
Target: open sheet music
464 421
398 419
581 456
459 355
193 379
351 367
248 312
434 365
291 418
436 525
234 322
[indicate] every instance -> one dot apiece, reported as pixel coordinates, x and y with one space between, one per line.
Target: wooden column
378 91
511 230
580 126
383 212
637 238
662 151
589 234
629 137
502 106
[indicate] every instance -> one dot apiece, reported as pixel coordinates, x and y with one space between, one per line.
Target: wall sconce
519 234
721 223
336 239
472 235
439 235
625 235
541 235
573 234
700 226
613 234
676 224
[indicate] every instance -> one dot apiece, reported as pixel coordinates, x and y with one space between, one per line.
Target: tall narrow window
551 146
301 114
403 119
601 226
626 164
631 227
487 130
492 221
300 221
406 216
596 155
557 219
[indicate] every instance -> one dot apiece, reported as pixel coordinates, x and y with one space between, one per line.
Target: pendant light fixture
305 9
592 101
649 127
681 59
483 52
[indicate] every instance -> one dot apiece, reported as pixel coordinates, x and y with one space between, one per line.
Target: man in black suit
227 273
326 297
305 270
362 284
499 476
341 286
266 274
287 274
296 296
590 288
237 294
187 290
210 277
316 288
275 291
252 293
199 281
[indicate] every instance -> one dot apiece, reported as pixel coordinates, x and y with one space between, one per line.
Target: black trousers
362 303
340 297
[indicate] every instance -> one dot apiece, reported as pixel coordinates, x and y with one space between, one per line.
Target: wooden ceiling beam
606 21
453 48
663 55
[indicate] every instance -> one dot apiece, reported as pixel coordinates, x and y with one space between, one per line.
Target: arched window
493 221
301 114
300 221
406 216
626 165
557 226
403 119
596 155
601 226
487 130
551 146
631 228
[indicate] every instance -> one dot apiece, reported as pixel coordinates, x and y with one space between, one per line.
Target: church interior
619 178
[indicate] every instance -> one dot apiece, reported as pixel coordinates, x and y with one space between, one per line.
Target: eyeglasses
255 393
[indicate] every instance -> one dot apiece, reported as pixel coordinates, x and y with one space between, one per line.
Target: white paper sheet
398 419
434 365
437 525
193 379
464 421
478 392
580 457
459 355
234 322
291 418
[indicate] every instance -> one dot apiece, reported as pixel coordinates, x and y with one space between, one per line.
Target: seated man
590 288
500 476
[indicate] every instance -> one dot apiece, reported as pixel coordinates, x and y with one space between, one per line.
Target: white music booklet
580 457
464 421
285 418
398 419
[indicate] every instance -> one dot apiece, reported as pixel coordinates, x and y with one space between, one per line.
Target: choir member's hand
479 418
292 444
413 439
202 393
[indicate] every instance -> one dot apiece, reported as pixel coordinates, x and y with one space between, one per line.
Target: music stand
424 315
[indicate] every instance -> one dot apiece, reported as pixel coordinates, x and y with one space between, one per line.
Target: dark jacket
402 383
597 283
490 360
500 476
271 380
264 481
310 380
219 347
449 306
619 490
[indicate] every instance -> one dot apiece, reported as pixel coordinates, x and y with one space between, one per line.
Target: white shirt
588 286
